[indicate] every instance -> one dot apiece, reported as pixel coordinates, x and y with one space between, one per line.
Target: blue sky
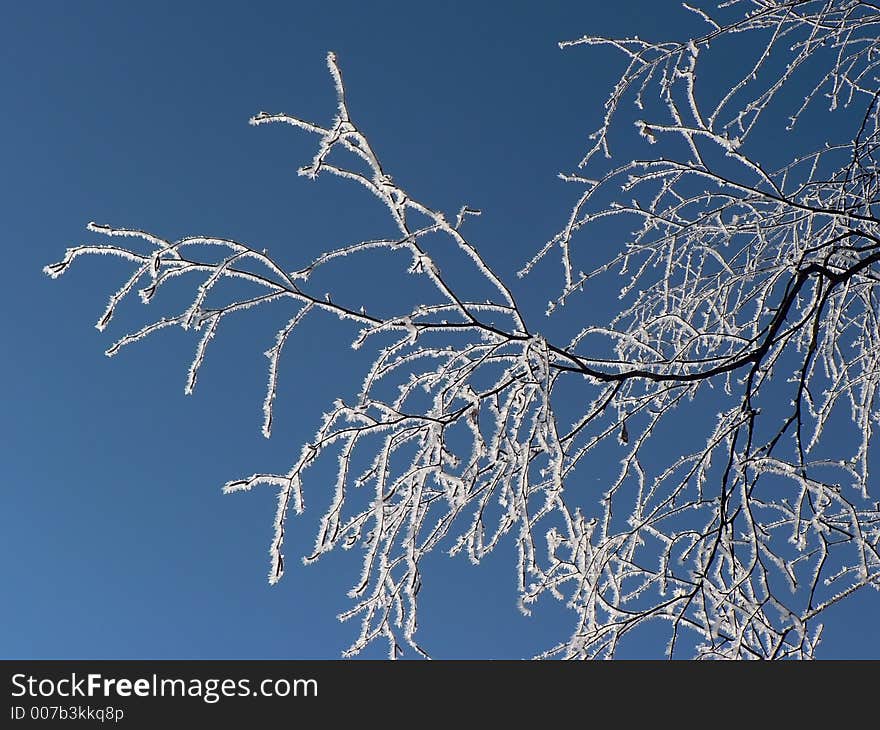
116 540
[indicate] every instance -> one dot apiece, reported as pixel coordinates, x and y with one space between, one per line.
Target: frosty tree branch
751 294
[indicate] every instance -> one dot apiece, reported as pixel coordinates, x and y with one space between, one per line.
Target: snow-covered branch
735 389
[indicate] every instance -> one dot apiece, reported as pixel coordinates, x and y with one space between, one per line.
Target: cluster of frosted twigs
749 300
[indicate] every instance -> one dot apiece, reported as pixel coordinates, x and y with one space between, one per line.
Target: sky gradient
117 542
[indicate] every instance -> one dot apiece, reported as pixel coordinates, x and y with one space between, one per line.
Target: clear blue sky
115 540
